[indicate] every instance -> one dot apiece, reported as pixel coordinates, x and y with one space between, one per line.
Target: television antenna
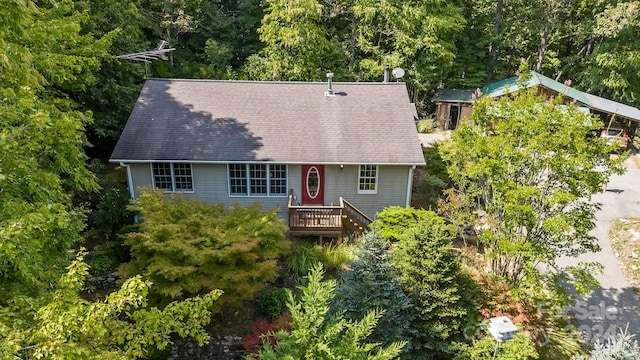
159 53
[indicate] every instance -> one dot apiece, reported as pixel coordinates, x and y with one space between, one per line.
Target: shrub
189 247
427 125
101 259
394 221
264 332
335 256
303 257
519 348
273 301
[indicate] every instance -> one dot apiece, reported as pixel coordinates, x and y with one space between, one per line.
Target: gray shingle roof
287 122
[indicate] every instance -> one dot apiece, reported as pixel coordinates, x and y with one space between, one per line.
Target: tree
296 45
524 170
611 69
188 247
42 134
63 325
430 272
314 335
371 283
621 347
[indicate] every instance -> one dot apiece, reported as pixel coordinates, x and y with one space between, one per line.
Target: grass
625 241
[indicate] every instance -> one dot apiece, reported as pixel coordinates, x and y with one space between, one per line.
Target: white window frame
249 181
173 169
361 178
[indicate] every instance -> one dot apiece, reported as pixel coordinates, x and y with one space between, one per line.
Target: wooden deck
334 221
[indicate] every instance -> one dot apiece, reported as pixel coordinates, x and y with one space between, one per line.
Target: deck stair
339 220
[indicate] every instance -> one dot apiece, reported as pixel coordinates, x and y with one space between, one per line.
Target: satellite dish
397 73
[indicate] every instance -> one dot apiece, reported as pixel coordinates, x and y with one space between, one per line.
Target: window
367 179
172 176
238 179
258 179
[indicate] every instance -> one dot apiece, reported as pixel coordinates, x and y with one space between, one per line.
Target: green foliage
273 301
101 259
303 257
430 271
621 347
296 45
427 125
394 221
187 247
370 282
42 52
314 335
63 325
335 256
523 171
519 348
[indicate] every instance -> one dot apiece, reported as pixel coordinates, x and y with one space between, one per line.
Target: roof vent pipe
330 89
386 73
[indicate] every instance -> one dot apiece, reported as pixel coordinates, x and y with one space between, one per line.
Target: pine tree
371 283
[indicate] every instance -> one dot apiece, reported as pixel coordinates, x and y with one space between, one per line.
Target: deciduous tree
525 169
188 247
62 325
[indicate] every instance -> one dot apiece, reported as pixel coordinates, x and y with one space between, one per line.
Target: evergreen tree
430 271
621 347
316 336
370 283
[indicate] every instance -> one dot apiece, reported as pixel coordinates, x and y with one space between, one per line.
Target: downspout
129 179
410 185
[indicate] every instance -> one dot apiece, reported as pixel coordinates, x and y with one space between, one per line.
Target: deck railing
340 220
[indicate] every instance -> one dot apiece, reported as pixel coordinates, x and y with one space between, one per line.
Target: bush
101 259
272 302
520 348
190 247
303 257
427 125
394 221
336 256
265 332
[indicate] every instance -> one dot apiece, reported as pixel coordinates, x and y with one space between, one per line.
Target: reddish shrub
264 331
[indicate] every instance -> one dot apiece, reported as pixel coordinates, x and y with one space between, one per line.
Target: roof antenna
159 53
329 91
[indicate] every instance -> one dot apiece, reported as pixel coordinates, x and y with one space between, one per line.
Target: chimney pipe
386 73
330 89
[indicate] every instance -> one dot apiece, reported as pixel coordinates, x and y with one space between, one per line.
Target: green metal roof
590 101
514 83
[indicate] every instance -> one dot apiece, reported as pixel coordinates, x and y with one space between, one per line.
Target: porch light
341 167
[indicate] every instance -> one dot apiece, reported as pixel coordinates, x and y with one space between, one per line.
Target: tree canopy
523 171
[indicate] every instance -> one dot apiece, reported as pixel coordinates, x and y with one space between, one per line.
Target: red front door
312 185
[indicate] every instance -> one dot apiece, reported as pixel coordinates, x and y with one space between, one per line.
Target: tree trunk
496 33
544 46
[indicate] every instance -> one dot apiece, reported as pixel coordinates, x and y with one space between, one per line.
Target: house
329 155
453 105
